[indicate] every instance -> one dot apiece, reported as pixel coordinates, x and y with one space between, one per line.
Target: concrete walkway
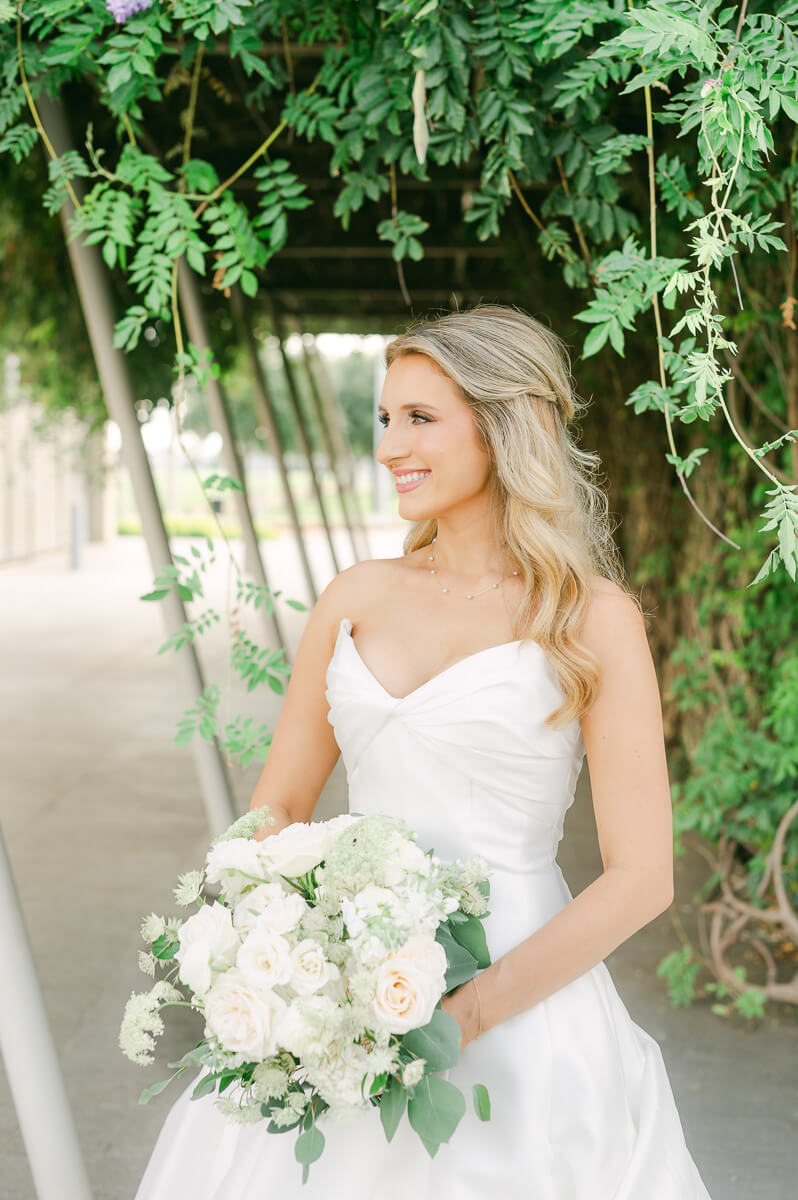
101 812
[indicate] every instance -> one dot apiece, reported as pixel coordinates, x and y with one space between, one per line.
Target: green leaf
155 1090
392 1105
462 964
206 1085
436 1108
595 340
438 1042
481 1101
165 946
469 932
309 1145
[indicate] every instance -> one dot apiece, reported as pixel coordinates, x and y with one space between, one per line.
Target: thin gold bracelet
479 1005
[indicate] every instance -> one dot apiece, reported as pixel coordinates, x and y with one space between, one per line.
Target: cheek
458 443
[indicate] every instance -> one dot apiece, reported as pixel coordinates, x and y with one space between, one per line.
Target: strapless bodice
465 758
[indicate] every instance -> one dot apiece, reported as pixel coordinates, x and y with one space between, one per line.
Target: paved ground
101 812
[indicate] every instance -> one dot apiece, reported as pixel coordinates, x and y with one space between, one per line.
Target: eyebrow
402 407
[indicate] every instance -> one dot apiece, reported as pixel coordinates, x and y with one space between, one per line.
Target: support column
112 368
337 423
191 303
266 415
326 435
301 425
34 1075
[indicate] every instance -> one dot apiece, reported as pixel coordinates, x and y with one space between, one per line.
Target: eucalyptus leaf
392 1105
309 1145
471 935
481 1101
206 1085
436 1109
155 1090
438 1041
462 964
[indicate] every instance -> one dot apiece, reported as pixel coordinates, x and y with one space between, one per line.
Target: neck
469 552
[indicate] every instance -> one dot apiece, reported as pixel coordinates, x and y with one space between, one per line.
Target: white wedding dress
581 1105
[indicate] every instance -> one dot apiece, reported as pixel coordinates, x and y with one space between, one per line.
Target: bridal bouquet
318 958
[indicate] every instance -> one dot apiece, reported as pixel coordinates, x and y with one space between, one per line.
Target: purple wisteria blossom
120 10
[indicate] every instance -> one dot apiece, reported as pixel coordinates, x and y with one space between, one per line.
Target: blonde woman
463 682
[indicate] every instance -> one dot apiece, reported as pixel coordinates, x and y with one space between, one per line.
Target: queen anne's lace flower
142 1022
245 826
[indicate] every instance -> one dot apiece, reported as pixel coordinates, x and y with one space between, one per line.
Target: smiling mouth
412 480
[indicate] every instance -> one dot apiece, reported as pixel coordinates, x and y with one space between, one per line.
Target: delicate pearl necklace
470 595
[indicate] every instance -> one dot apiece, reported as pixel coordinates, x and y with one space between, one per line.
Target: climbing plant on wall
404 87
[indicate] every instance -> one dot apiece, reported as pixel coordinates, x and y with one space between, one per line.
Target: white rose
315 920
250 906
208 943
284 914
270 905
410 983
336 825
310 969
232 864
265 958
243 1017
295 850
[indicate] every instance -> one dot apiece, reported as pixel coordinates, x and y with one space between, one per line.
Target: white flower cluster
318 955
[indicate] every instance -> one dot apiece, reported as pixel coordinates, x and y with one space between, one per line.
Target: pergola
325 278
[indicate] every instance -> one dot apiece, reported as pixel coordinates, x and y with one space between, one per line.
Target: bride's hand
462 1004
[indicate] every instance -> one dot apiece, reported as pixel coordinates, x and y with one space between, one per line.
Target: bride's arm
303 750
625 748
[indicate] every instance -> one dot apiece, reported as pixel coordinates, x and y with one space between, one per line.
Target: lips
412 484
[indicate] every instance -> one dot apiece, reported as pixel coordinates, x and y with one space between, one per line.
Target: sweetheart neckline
433 678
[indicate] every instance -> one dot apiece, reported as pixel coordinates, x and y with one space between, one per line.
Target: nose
390 451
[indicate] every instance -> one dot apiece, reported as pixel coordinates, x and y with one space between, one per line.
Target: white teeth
412 477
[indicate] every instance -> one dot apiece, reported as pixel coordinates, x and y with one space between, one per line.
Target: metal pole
34 1076
337 424
112 368
326 435
191 303
268 419
302 427
75 536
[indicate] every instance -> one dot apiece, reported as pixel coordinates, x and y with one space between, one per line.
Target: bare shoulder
347 593
614 620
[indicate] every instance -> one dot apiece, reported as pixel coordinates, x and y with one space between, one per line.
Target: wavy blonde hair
550 513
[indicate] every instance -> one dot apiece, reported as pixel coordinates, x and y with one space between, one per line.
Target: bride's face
429 428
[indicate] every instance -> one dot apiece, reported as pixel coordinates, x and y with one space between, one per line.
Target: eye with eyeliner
383 418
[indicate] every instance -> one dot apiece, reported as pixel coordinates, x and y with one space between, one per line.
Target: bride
463 683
